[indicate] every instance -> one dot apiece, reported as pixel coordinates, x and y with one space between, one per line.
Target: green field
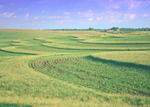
74 68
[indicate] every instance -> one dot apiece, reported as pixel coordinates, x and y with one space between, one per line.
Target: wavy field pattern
74 68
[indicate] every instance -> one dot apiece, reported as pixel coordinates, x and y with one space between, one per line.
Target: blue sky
81 14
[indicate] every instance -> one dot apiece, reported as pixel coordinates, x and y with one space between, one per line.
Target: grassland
68 68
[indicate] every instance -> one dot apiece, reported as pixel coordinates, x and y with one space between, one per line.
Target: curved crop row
104 76
40 64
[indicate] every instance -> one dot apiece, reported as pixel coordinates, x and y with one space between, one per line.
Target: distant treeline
135 29
71 29
92 29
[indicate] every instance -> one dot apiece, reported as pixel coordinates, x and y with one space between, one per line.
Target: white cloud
22 9
6 14
79 13
105 16
134 4
132 16
111 15
108 16
43 11
129 16
145 15
60 21
130 4
137 4
57 17
90 19
115 6
67 13
36 18
99 18
110 12
27 15
90 10
15 16
87 14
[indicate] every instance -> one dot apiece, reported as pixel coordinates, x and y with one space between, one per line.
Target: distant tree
91 29
105 30
115 28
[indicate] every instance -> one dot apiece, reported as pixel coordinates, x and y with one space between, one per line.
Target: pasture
74 68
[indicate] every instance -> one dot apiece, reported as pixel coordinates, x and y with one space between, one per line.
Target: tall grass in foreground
29 87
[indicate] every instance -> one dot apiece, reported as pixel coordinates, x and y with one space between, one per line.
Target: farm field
74 68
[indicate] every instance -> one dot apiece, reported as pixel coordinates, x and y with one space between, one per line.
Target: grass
137 57
101 75
74 68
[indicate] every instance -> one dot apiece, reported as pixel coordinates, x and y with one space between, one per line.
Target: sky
71 14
